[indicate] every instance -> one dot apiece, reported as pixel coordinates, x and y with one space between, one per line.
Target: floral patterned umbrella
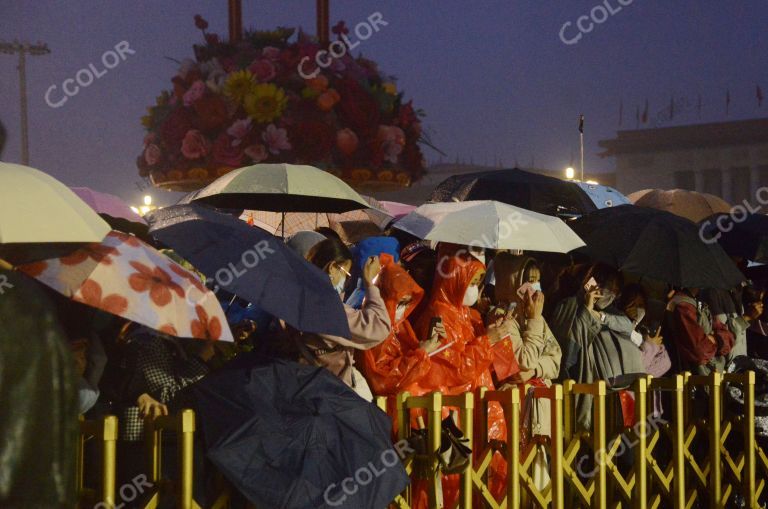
126 277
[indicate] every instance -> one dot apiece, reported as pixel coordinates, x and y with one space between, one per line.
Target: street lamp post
24 49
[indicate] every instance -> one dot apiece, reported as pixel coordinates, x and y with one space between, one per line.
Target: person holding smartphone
595 336
518 308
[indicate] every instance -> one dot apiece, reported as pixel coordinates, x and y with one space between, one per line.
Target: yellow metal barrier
104 431
697 454
183 424
666 483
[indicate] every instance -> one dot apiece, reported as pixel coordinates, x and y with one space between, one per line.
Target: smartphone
525 289
590 284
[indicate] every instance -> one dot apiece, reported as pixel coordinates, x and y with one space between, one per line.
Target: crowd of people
426 317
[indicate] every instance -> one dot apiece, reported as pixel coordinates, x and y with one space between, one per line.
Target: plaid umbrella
126 277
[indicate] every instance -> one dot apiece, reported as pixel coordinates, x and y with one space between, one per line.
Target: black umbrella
656 244
532 191
744 236
252 264
294 436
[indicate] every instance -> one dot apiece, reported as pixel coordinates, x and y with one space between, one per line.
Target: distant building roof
740 132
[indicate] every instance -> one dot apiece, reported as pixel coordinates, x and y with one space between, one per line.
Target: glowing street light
570 173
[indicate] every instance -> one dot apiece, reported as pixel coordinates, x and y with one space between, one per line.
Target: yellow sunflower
239 84
265 102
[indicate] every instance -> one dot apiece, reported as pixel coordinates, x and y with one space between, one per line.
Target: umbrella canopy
743 236
658 245
531 191
280 188
253 264
603 196
292 222
36 209
490 224
108 204
396 209
288 435
688 204
125 277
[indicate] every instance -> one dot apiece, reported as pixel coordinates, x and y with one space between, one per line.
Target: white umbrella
490 224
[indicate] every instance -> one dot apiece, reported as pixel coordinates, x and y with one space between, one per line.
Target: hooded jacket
465 364
397 364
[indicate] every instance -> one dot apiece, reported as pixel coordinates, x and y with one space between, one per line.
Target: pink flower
195 145
256 152
194 93
225 153
276 139
392 139
152 154
263 69
271 53
238 130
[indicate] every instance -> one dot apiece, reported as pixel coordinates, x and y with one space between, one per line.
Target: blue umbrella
603 196
252 264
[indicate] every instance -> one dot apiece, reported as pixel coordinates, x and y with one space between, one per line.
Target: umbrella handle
231 301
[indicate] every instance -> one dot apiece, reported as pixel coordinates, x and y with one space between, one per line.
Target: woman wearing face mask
368 326
534 345
400 362
655 359
462 361
594 336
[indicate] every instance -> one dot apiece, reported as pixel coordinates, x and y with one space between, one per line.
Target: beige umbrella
37 210
349 225
688 204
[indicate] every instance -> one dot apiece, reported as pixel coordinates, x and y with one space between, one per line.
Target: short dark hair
751 295
603 274
327 251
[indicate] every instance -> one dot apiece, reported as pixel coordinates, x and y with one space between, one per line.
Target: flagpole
581 144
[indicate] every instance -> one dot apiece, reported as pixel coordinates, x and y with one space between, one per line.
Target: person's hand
150 407
754 311
371 270
430 345
534 305
658 339
498 332
591 296
438 332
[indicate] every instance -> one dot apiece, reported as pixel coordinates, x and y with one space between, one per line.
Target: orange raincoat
465 365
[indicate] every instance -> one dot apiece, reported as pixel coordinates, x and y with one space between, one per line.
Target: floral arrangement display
266 100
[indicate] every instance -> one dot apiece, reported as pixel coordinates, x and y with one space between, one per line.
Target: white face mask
471 295
400 311
606 300
536 286
339 287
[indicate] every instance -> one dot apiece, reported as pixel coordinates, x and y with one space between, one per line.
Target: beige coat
538 354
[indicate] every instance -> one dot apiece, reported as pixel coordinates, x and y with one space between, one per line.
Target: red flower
317 139
34 269
200 22
175 127
91 294
98 252
156 281
357 109
212 113
225 154
203 328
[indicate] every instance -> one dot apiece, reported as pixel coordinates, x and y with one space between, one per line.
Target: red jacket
692 343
